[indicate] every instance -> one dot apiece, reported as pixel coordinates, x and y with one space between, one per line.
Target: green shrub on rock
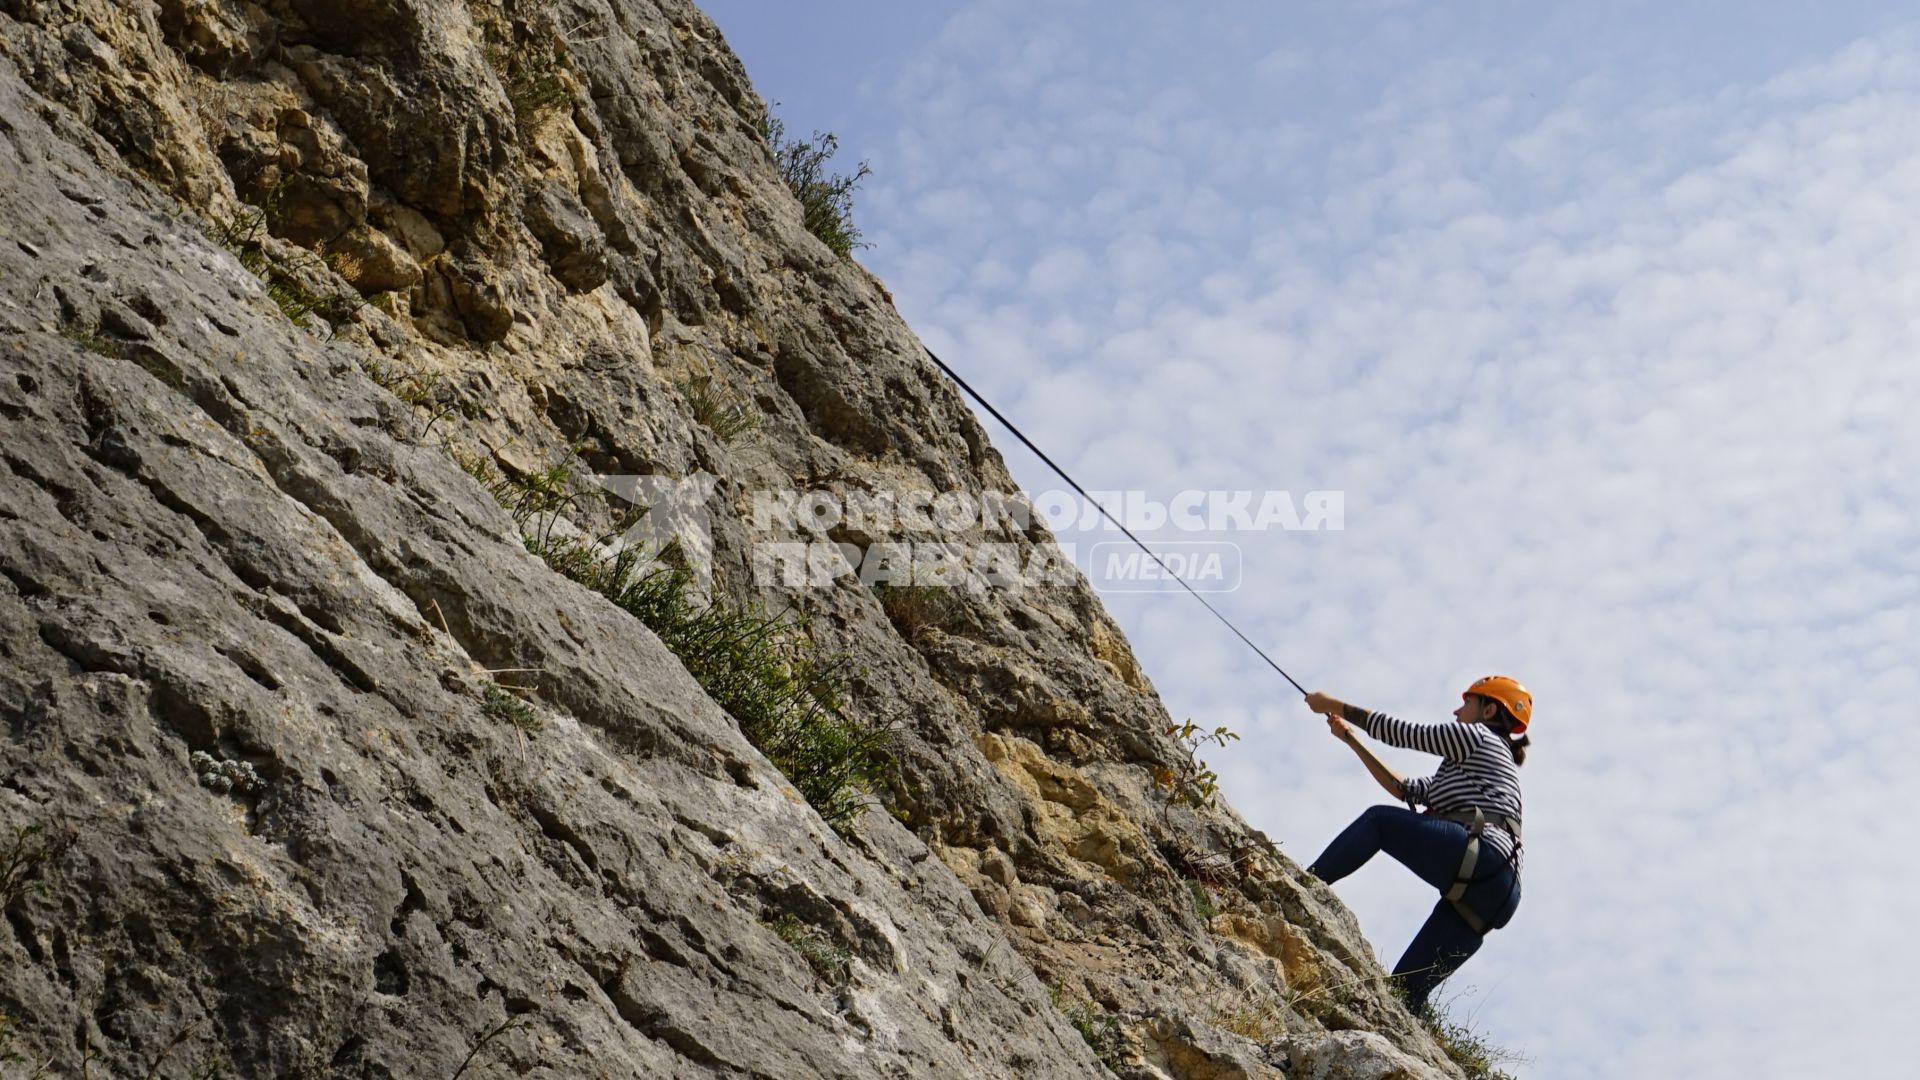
826 197
764 669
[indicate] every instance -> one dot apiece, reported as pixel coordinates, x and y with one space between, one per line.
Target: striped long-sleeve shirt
1478 773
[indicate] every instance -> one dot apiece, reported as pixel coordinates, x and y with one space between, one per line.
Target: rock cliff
312 768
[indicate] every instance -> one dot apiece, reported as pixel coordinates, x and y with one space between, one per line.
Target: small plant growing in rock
530 65
536 500
1100 1028
88 338
427 394
226 776
245 235
916 609
831 963
1188 781
509 1024
504 705
1209 869
1477 1058
25 856
1255 1017
717 409
208 1069
826 197
474 463
10 1053
1326 1001
1203 904
534 84
408 385
1192 783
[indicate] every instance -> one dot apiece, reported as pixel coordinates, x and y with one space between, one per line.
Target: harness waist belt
1473 818
1476 822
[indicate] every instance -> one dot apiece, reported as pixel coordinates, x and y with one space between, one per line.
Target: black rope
1008 424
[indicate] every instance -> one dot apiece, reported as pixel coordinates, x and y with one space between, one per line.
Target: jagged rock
319 191
480 297
1354 1055
569 238
1178 1048
372 263
409 226
995 864
216 36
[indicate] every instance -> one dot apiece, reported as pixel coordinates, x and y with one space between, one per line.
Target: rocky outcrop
311 769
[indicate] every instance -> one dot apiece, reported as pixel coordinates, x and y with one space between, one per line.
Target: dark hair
1504 723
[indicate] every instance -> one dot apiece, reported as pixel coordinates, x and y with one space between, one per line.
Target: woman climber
1466 844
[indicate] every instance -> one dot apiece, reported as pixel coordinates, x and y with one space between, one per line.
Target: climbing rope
1028 443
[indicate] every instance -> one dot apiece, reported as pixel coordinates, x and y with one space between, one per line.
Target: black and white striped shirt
1479 771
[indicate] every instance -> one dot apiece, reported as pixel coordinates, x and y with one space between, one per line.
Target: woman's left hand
1340 728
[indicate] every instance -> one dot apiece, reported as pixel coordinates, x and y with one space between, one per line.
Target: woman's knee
1383 814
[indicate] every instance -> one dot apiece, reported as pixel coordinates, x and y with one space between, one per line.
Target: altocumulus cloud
1620 385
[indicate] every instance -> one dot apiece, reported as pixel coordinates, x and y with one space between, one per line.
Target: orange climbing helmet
1507 692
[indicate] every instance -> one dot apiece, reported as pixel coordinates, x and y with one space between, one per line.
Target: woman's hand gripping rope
1332 708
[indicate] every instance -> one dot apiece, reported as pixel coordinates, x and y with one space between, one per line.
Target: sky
1602 319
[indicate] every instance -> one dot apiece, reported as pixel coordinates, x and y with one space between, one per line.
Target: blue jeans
1432 849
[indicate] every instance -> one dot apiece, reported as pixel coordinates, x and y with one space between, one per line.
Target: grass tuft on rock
529 55
916 610
1099 1028
1203 905
89 338
834 965
1253 1017
718 409
1477 1058
504 705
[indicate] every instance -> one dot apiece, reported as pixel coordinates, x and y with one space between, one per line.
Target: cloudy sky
1604 320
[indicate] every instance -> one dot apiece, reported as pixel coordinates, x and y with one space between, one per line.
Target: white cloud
1058 271
1620 388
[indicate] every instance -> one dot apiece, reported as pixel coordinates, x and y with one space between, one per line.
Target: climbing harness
1476 822
1028 443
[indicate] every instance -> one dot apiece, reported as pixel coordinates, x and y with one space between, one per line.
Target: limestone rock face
1354 1055
311 769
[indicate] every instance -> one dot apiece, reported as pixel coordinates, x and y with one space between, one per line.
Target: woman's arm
1392 781
1447 740
1333 706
